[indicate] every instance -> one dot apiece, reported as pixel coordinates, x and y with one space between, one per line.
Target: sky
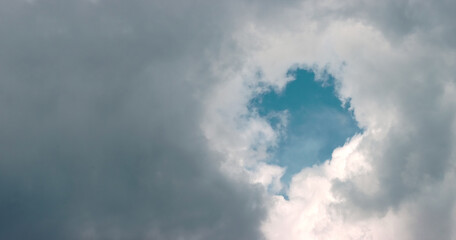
242 119
317 121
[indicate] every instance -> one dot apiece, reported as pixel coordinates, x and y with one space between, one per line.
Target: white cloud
107 86
400 80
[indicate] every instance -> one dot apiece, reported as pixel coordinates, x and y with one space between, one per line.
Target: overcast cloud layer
100 111
130 119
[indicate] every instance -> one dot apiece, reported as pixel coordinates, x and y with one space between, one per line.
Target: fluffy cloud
130 120
400 82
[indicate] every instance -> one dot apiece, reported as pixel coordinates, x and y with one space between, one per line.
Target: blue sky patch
317 121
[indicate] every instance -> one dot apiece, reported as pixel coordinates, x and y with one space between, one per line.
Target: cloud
101 104
130 120
399 81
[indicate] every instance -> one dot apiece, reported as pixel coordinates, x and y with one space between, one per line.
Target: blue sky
135 119
317 121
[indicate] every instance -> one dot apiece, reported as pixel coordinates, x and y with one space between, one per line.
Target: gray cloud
101 104
395 61
99 128
417 151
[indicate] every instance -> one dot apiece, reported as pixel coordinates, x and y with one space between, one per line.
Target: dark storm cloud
99 123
